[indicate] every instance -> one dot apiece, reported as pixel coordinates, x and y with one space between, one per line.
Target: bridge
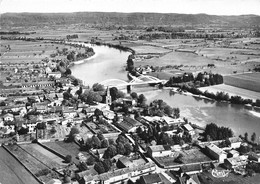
141 80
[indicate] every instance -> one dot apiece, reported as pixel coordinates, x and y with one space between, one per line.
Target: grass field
249 81
12 172
50 159
232 91
65 148
33 164
147 49
30 51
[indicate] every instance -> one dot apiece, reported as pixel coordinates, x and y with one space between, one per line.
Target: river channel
109 63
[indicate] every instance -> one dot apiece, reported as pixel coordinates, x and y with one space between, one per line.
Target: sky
213 7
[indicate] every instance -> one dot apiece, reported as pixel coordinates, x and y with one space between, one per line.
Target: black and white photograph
129 91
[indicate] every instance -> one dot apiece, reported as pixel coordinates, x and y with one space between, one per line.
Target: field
11 171
232 91
50 159
65 148
33 164
146 49
249 81
24 51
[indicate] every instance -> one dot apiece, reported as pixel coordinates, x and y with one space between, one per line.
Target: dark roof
189 168
128 123
151 178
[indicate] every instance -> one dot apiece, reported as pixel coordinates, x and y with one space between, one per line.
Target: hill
139 19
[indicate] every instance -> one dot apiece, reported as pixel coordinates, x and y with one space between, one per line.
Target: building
233 153
159 151
172 121
254 156
108 97
234 162
8 117
188 128
216 152
151 179
129 124
235 142
191 169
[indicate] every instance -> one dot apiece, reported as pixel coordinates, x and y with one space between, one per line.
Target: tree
90 160
100 136
141 99
88 144
68 71
41 125
96 142
134 95
120 148
68 159
73 132
110 152
99 167
98 87
107 163
83 166
253 137
79 91
246 137
104 143
128 149
90 97
23 131
2 103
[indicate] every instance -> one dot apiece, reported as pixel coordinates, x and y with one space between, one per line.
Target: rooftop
216 149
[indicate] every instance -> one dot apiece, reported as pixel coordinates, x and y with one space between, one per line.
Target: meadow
11 171
249 81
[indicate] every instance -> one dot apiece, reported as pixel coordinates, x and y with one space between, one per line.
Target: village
61 131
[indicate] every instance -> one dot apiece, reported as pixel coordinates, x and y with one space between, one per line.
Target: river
109 63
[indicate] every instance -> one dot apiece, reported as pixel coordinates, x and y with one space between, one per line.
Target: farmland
35 165
50 159
232 91
11 171
65 148
249 81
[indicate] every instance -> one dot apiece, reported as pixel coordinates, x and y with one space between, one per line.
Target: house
235 142
172 121
188 128
233 153
101 152
129 124
31 124
191 169
69 113
8 117
254 156
126 162
40 107
159 151
151 179
216 152
188 179
55 74
234 162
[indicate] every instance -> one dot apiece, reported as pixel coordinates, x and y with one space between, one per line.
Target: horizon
209 7
123 13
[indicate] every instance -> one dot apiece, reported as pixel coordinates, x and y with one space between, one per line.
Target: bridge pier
129 89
